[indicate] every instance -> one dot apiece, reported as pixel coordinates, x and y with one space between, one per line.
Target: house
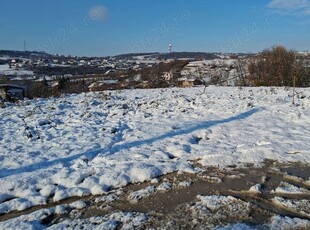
188 83
184 82
168 76
11 92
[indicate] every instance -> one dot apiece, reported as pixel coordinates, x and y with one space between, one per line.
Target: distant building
11 92
168 76
184 82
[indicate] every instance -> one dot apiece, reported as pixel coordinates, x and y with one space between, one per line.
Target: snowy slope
90 143
6 70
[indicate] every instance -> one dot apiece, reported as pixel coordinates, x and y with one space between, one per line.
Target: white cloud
289 4
291 7
98 13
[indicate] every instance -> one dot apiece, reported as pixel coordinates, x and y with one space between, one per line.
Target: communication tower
170 48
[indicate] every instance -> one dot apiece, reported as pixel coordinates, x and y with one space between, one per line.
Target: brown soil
173 206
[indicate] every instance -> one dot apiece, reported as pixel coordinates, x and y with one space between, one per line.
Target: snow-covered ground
301 206
276 222
230 206
6 70
90 143
129 220
287 188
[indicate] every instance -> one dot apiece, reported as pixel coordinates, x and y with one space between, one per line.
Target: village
36 74
25 69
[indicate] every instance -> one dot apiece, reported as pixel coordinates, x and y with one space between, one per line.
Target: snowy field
6 70
77 145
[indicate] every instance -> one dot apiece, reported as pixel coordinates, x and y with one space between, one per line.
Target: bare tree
241 66
278 67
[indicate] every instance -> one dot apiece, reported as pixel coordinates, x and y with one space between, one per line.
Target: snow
110 81
288 188
165 186
6 70
276 222
5 197
117 220
238 226
216 209
300 206
155 181
78 205
185 184
94 142
5 67
216 202
31 221
108 198
140 194
256 188
279 222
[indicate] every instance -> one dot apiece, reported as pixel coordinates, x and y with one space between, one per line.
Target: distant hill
188 55
174 55
131 55
25 54
163 56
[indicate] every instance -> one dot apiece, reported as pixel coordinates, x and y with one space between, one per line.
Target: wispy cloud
288 4
291 7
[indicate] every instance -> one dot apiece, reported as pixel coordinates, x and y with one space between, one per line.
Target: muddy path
171 196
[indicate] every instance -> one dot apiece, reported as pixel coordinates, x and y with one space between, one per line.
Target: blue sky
100 28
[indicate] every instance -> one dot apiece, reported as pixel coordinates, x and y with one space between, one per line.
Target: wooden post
294 86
